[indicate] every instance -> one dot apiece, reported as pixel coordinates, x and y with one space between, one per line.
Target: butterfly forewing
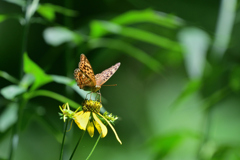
84 75
101 78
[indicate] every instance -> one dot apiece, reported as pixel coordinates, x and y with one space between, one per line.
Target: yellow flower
89 117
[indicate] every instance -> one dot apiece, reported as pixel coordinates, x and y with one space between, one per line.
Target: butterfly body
86 79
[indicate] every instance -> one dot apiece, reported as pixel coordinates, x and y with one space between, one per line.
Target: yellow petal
102 129
112 128
81 119
90 129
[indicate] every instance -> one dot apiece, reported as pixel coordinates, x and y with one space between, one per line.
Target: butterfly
86 79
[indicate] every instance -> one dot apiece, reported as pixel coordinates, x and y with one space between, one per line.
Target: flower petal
102 129
81 119
90 129
112 128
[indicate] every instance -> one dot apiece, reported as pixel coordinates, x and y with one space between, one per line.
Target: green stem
63 140
94 147
77 144
16 128
22 101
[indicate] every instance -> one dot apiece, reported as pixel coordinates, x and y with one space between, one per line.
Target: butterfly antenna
110 85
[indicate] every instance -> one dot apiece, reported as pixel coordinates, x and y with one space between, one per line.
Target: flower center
92 106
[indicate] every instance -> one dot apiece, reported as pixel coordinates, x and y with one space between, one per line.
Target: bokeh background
177 94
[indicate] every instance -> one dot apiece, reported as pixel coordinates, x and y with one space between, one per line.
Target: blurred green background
177 94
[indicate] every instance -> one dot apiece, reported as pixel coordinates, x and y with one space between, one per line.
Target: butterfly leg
98 94
91 95
88 94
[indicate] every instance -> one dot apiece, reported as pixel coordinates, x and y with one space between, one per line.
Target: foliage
178 85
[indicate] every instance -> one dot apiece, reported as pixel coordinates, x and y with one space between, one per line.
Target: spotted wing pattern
101 78
84 75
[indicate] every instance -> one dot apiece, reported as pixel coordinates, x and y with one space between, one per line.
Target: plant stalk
77 144
94 147
64 135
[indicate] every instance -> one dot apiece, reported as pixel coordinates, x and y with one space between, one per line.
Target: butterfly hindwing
101 78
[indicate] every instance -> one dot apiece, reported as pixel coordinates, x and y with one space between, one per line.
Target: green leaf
56 36
31 9
148 15
27 80
21 3
63 80
49 11
128 49
162 145
225 24
52 95
99 28
72 83
191 87
32 68
2 18
8 116
195 43
10 92
8 77
215 97
234 79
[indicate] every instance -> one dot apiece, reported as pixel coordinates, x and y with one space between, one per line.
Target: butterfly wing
101 78
84 75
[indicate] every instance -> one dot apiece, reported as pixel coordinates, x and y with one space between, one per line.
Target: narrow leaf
52 95
148 15
8 77
128 49
99 28
31 9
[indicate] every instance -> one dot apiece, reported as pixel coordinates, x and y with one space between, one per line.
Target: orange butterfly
86 79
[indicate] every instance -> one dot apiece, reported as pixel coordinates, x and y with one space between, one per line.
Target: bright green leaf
32 68
8 116
49 11
148 15
2 18
10 92
99 28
